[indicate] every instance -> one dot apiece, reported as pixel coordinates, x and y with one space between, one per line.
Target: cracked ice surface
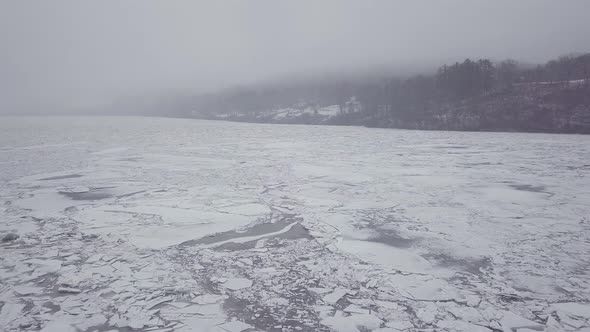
178 225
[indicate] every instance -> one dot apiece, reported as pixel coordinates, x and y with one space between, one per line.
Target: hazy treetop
82 54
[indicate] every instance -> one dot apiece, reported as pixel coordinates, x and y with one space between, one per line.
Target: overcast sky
83 54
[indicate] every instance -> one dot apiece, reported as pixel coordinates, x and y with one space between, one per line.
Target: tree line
404 98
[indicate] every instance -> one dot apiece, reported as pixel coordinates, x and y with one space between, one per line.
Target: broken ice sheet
208 299
355 309
512 322
575 309
170 312
234 326
436 190
237 283
336 295
57 326
27 290
10 312
70 290
353 323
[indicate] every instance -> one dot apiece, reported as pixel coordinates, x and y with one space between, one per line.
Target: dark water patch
91 195
296 232
391 238
53 308
61 177
255 230
234 246
470 265
530 188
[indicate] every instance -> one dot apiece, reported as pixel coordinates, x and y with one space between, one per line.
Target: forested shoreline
469 95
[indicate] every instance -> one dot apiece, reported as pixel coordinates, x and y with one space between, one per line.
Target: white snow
336 295
57 326
234 326
351 323
511 322
575 309
10 312
27 290
438 230
355 309
237 283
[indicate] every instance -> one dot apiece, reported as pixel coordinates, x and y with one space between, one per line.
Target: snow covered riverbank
181 225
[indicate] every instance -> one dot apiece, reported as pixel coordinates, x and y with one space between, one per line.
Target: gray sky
82 54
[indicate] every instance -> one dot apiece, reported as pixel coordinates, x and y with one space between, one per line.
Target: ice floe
233 227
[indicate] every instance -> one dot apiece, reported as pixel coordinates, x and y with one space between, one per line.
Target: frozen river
174 224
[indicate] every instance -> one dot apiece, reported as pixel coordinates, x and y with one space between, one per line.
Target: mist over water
286 166
71 56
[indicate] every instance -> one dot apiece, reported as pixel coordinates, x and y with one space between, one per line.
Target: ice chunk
157 301
511 322
277 301
565 319
460 326
352 323
387 304
400 325
553 325
247 209
94 258
10 312
94 320
355 309
237 283
432 290
199 324
427 314
48 264
572 308
234 326
208 299
58 326
69 290
468 314
336 295
172 313
371 283
27 290
319 290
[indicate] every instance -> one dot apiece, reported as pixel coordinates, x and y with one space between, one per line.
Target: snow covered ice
153 224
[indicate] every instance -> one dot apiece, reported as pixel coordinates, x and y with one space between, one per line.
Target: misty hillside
471 95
